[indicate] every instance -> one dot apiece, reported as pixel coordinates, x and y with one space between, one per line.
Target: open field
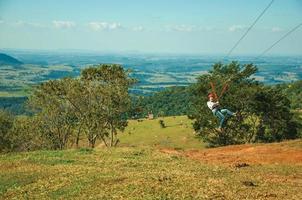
143 173
156 163
178 134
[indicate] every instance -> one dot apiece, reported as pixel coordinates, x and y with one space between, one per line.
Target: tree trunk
112 135
104 141
78 136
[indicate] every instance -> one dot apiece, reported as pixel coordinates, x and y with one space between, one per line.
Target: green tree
6 123
96 104
24 135
54 115
293 92
107 86
276 121
249 99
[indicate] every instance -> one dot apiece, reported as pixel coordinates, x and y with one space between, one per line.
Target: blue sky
170 26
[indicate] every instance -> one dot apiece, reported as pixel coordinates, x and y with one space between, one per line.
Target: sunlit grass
138 173
177 134
138 169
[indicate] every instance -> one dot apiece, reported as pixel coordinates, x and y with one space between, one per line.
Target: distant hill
8 60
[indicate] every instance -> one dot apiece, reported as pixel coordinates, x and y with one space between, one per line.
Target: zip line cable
248 30
284 36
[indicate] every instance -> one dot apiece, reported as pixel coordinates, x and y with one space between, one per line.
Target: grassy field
178 134
156 163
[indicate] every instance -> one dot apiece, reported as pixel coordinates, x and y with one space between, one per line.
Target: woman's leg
221 118
226 111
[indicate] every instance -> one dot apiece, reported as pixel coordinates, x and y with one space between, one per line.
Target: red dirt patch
276 153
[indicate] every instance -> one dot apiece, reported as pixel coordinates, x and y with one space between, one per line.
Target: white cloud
100 26
1 21
37 25
276 29
138 28
189 28
21 23
209 28
63 24
234 28
182 28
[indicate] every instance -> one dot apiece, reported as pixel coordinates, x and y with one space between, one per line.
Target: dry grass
154 163
177 134
140 173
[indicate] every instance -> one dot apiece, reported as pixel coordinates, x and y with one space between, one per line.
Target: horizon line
138 52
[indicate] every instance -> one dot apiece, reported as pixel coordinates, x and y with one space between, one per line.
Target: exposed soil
248 154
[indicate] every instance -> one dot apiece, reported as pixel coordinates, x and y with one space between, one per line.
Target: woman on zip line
213 104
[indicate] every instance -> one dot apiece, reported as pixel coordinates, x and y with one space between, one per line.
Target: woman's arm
216 103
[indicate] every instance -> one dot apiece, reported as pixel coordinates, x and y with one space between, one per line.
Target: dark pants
222 114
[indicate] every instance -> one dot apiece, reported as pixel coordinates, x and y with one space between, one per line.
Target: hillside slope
8 60
285 153
146 173
178 133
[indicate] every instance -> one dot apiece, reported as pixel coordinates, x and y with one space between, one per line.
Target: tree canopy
95 104
263 112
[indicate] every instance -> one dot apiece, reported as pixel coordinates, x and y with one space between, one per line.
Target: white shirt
213 105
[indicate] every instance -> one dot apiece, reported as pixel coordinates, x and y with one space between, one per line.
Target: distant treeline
177 100
168 102
14 105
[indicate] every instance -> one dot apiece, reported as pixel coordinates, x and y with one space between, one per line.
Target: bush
26 136
162 123
6 123
19 133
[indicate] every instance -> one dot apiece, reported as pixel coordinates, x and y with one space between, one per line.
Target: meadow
156 163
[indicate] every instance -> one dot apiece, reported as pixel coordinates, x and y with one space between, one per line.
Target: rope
223 90
213 90
248 30
284 36
225 87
